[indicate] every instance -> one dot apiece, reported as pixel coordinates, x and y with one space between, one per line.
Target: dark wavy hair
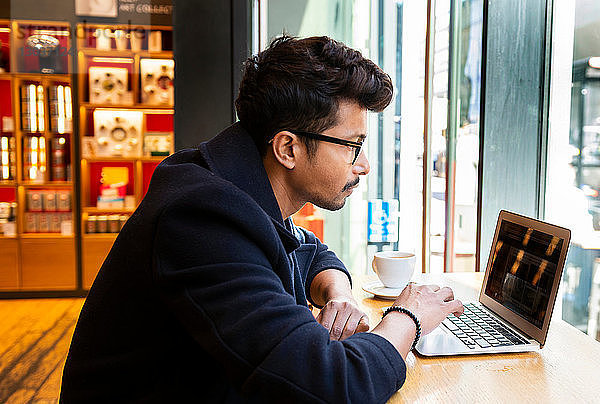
299 83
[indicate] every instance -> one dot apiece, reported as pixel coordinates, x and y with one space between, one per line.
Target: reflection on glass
467 142
393 34
572 194
523 271
348 21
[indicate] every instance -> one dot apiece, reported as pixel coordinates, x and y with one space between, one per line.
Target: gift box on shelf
117 133
8 212
34 158
112 191
109 85
157 81
61 108
47 210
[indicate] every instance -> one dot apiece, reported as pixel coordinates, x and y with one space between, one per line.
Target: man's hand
343 318
430 303
340 314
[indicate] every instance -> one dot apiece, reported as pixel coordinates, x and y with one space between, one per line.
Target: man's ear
285 148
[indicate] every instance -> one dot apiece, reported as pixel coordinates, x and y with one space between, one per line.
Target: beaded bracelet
409 314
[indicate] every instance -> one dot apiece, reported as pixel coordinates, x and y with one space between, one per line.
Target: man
204 294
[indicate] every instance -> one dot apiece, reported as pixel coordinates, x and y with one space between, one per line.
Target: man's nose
361 167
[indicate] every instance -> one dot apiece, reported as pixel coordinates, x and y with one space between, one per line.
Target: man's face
329 177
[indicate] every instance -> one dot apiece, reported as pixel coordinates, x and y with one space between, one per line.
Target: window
394 34
573 180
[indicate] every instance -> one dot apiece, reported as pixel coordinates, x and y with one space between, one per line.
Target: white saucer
377 288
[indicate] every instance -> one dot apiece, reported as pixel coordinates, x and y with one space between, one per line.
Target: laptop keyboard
476 329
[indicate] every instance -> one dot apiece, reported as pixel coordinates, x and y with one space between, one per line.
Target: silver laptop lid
523 272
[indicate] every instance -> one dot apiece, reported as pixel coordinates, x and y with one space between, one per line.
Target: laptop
517 296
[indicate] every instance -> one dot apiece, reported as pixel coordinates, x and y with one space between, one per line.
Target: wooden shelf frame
25 249
28 277
96 245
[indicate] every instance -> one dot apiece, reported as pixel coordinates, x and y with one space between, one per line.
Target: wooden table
566 370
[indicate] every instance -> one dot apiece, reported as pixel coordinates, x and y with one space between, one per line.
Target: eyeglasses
317 136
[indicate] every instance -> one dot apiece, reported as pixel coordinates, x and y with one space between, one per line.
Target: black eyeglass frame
317 136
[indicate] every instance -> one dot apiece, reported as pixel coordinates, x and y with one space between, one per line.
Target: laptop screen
523 269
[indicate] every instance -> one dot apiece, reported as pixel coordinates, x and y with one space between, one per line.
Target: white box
109 85
8 124
118 133
157 81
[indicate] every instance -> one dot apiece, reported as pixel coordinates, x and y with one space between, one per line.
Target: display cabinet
9 242
37 188
125 84
82 127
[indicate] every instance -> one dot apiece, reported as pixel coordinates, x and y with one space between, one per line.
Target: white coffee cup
394 268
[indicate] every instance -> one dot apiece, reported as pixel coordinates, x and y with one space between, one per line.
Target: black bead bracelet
409 314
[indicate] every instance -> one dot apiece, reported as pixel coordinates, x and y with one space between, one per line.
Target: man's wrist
397 316
330 284
411 315
335 293
399 329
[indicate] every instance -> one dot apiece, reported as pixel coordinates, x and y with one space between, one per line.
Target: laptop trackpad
441 342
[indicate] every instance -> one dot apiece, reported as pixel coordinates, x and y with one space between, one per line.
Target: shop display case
83 125
126 127
36 147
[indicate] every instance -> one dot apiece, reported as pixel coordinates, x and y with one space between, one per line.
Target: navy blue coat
203 297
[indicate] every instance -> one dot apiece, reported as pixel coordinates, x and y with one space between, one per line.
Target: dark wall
211 43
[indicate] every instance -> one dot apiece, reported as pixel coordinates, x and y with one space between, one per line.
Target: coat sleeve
217 272
323 259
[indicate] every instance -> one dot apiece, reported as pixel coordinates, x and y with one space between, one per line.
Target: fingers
446 293
351 327
326 318
339 325
342 320
363 324
455 307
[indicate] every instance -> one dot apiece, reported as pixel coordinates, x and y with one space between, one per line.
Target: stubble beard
334 204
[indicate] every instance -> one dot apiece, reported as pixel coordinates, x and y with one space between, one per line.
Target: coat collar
233 155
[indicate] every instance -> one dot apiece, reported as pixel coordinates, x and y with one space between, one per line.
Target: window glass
573 179
393 35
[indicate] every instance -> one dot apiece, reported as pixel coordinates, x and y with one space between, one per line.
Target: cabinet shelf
153 159
93 210
47 184
100 236
126 53
45 236
88 105
110 159
146 159
41 76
